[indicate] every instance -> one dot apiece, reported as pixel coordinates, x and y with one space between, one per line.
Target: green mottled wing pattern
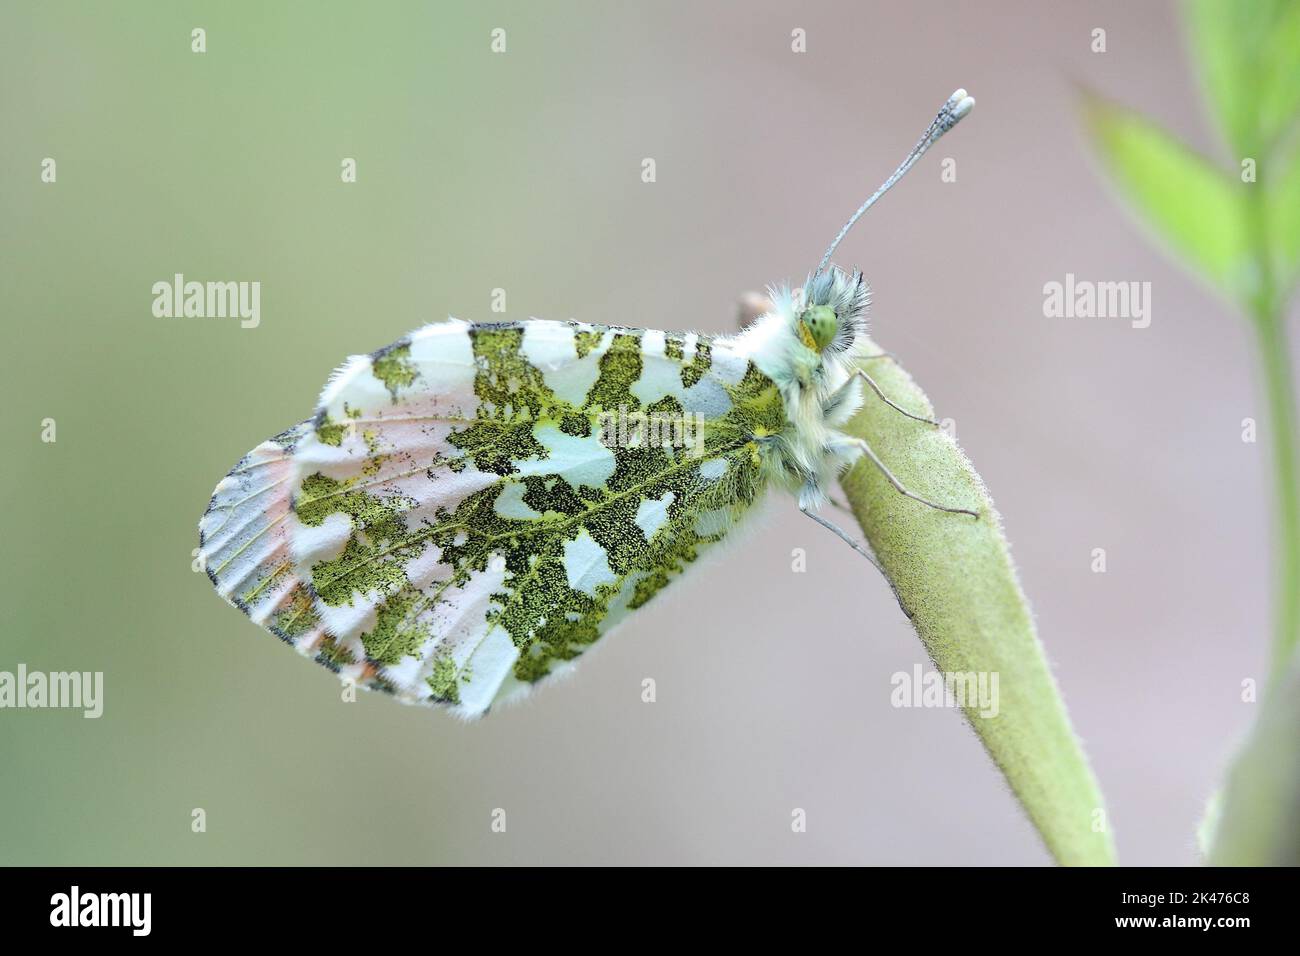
474 506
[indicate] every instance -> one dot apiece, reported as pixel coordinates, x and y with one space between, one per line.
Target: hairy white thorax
817 385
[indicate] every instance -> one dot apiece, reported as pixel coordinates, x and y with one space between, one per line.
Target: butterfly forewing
472 507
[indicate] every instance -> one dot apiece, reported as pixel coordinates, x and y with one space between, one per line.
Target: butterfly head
832 315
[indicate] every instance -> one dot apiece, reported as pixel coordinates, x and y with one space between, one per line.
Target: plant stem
1279 389
1268 317
1258 821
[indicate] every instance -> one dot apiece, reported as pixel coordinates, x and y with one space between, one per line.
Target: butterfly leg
842 535
856 546
862 446
860 373
834 402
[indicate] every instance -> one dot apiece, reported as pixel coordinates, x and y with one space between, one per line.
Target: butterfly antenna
958 105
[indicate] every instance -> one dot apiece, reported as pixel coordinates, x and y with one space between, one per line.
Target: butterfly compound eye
821 323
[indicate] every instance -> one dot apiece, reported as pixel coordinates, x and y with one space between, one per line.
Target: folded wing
472 507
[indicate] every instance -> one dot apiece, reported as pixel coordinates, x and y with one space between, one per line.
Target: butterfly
472 507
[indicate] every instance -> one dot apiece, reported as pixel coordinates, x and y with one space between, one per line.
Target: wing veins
541 526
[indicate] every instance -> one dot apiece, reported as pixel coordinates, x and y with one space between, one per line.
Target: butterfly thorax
807 344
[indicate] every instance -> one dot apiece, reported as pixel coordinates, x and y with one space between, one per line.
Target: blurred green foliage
1238 228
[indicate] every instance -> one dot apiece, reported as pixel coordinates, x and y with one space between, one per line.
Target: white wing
454 524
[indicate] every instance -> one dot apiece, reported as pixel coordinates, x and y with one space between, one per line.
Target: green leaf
1249 53
1196 209
1283 212
1280 92
954 578
1220 32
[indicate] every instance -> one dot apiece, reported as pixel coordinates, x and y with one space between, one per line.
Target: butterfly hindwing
472 507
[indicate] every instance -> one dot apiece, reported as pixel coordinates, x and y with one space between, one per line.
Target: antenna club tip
958 105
